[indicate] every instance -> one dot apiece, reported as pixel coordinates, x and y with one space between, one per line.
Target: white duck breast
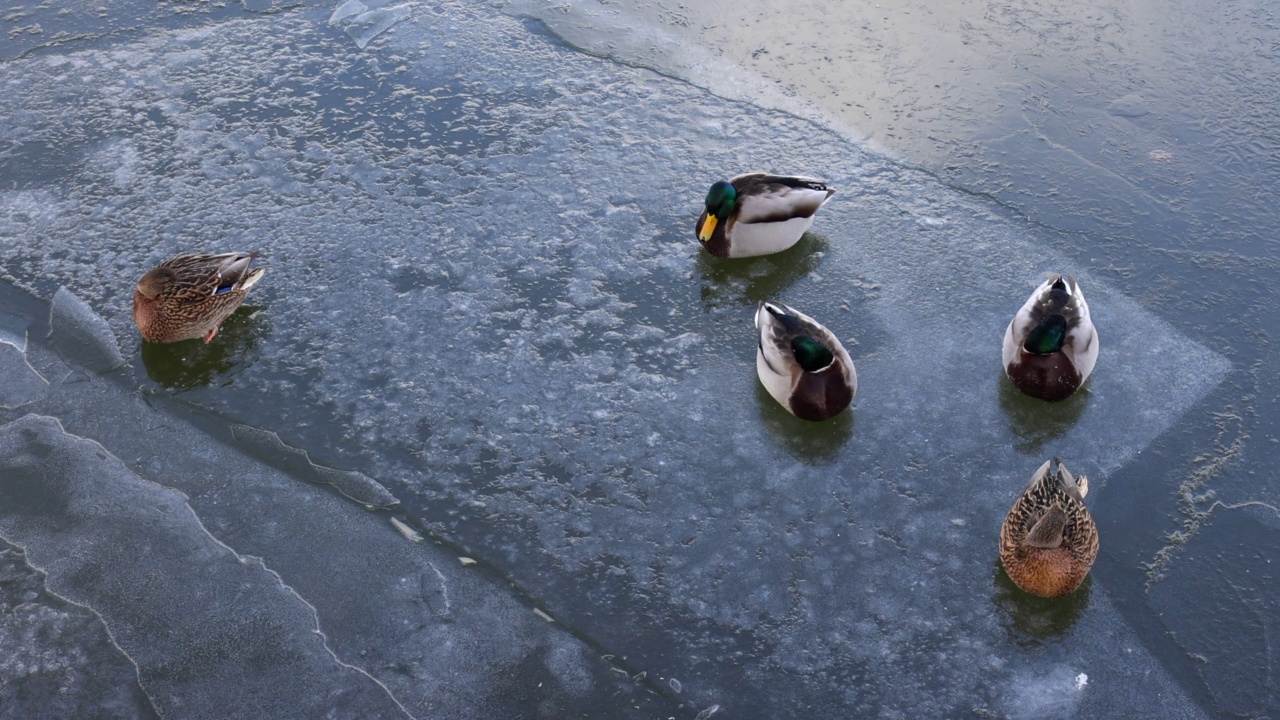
802 364
751 240
773 216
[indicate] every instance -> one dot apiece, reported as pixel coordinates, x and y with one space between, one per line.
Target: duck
759 214
1049 541
189 296
1051 345
802 364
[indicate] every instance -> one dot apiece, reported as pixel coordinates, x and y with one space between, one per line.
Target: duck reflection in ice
1030 619
192 364
813 443
751 281
1032 421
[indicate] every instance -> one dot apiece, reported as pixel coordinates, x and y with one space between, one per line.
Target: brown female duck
190 295
1048 541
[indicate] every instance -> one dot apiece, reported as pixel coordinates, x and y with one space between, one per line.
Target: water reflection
1030 619
1035 422
748 281
814 443
192 364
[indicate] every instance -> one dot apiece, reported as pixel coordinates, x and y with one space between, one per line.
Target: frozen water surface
484 298
19 382
232 589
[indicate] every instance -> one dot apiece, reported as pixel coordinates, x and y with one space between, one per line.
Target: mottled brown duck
189 296
1048 541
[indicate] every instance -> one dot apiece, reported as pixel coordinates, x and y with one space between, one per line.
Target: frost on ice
485 294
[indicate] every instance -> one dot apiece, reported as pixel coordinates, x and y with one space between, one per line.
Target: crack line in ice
242 559
1188 499
444 587
1236 506
324 639
27 360
11 340
267 446
106 626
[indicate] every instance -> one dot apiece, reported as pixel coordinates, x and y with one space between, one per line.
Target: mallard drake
190 295
759 214
1048 540
1051 345
802 364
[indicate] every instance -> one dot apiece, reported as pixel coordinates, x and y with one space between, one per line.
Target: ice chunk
267 446
136 554
345 10
80 335
403 528
365 27
19 382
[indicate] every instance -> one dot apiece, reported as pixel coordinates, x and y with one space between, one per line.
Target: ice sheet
19 382
486 295
109 540
375 624
51 680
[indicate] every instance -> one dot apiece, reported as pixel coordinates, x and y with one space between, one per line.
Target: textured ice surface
19 382
81 335
240 592
136 553
485 294
42 679
266 446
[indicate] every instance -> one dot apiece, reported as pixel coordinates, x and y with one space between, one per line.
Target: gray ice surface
137 554
232 590
19 382
266 446
485 295
55 654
